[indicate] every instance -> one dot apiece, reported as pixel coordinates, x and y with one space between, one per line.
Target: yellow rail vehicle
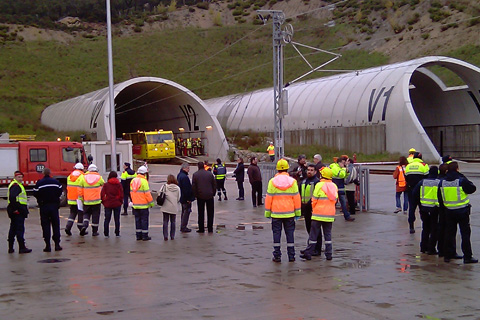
152 145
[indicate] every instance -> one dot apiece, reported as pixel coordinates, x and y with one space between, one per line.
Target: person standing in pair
170 206
340 172
186 196
415 171
323 202
203 186
142 200
112 198
90 194
74 182
48 191
17 210
401 185
306 193
220 173
255 178
127 175
283 206
239 175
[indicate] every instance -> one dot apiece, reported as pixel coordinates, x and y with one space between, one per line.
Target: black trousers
49 218
241 190
307 213
201 203
453 218
17 228
429 218
351 201
256 192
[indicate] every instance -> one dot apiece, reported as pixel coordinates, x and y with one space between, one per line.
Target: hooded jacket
112 194
172 198
283 198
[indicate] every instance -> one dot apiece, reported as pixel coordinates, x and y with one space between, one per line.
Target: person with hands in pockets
170 205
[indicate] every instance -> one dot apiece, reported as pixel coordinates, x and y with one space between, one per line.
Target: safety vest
410 158
401 177
417 166
453 195
221 171
271 150
189 144
22 196
92 183
306 191
323 207
140 193
339 175
283 199
207 168
74 181
126 176
429 193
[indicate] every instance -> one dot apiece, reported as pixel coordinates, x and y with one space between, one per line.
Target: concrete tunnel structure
146 104
389 108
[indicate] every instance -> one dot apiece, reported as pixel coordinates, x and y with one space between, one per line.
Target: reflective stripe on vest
73 187
429 193
323 208
221 171
282 203
417 166
306 191
271 150
140 193
126 176
22 196
401 177
91 194
453 195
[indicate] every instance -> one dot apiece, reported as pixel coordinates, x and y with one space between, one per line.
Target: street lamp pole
113 134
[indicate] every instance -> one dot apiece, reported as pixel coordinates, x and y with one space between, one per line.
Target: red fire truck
31 157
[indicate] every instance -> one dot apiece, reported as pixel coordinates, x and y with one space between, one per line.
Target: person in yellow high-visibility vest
17 210
271 151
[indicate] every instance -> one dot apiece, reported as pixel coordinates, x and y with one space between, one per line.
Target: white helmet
142 170
92 167
78 166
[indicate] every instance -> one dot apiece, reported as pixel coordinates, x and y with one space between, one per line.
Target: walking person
306 193
48 191
401 185
74 182
186 196
454 191
170 206
90 194
255 178
203 186
239 175
127 175
220 173
340 171
142 200
415 171
112 199
17 210
323 216
283 206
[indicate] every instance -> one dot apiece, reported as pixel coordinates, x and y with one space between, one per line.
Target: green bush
237 12
425 36
139 22
203 5
137 29
414 19
473 22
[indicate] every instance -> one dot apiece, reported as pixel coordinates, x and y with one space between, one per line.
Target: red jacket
112 193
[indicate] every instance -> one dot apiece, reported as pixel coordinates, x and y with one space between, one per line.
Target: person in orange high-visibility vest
283 206
142 200
323 203
401 185
73 190
90 194
271 151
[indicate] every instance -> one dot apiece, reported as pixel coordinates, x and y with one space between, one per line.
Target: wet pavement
377 271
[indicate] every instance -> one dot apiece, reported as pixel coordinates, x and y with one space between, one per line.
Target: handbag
161 196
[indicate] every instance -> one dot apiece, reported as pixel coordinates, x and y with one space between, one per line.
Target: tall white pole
113 134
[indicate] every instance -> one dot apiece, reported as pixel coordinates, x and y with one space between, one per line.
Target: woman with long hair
170 206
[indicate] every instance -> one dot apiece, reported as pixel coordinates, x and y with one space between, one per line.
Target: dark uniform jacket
48 191
467 186
239 172
15 206
186 192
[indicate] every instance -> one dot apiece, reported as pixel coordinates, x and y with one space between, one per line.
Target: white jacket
172 199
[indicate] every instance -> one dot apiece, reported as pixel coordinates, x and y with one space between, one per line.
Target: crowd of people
311 190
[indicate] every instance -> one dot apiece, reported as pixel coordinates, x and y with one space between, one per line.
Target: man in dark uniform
126 178
48 191
17 210
306 193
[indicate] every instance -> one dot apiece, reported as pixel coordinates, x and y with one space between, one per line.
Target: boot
225 195
219 198
146 237
10 246
23 248
125 213
57 246
412 228
47 247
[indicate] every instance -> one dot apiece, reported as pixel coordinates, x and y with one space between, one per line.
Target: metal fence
268 170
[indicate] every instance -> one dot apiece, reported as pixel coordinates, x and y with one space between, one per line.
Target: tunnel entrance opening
447 110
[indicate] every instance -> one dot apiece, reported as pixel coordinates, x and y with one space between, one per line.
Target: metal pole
113 134
278 19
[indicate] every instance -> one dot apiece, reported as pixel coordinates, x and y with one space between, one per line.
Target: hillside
42 66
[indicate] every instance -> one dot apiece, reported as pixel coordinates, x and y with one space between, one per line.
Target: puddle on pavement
356 264
384 305
106 313
251 286
53 260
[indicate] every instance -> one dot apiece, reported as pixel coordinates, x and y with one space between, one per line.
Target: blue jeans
108 217
343 203
166 218
405 200
289 226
